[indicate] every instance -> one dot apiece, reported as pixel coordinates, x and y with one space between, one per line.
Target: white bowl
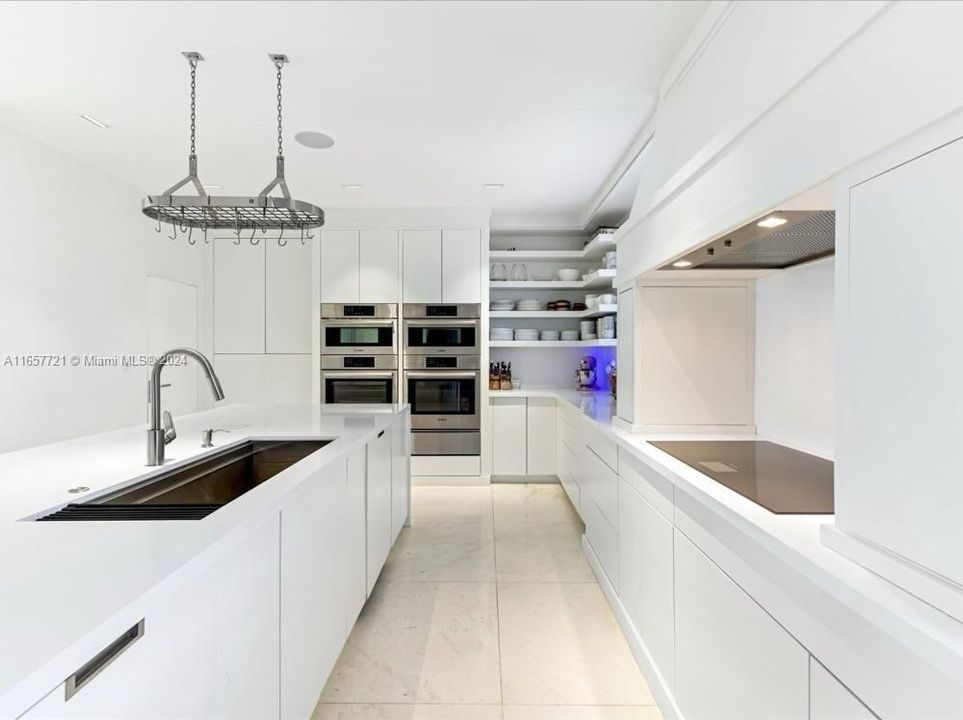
569 274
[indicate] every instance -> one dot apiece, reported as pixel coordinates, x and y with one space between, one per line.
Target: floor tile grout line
498 615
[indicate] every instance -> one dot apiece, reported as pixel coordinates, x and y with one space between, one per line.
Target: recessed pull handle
105 657
381 434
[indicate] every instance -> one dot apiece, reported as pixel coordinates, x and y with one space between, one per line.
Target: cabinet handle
105 657
381 434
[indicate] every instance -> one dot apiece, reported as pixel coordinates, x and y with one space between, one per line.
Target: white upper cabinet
340 266
378 272
422 266
287 299
238 297
461 266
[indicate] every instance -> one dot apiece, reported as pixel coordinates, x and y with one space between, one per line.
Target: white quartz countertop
69 588
821 586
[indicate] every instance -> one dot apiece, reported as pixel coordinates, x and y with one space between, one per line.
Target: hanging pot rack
205 212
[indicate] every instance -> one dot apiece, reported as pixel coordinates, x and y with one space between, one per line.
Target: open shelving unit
600 279
550 344
594 250
556 314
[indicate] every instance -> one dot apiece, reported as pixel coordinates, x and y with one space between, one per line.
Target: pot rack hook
281 241
237 228
174 231
302 236
253 233
190 236
158 228
206 241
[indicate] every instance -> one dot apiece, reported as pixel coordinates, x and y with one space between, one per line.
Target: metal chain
278 65
193 102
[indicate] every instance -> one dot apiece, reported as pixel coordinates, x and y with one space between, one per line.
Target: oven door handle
357 375
441 375
435 322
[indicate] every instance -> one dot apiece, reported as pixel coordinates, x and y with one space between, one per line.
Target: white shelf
598 280
550 343
592 251
556 314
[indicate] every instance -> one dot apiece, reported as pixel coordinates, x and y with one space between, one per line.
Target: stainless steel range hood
804 235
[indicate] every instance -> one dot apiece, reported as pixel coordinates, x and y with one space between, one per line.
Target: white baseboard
662 693
932 588
461 480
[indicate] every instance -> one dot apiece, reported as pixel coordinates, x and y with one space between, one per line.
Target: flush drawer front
603 446
603 539
603 486
649 483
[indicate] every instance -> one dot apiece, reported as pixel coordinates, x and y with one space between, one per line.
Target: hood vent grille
806 236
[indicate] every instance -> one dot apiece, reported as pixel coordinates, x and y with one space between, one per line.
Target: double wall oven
359 353
442 378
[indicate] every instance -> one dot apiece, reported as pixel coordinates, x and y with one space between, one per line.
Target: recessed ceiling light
314 140
95 121
212 187
494 186
352 186
772 221
682 264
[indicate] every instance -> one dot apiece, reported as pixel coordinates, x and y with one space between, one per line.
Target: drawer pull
105 657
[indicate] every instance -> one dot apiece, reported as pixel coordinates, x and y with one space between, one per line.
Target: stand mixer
585 375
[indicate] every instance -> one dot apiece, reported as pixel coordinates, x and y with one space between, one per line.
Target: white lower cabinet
313 524
733 661
509 425
646 577
379 538
603 539
209 649
541 433
354 545
830 700
400 477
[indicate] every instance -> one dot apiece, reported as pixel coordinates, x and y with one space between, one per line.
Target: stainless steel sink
196 490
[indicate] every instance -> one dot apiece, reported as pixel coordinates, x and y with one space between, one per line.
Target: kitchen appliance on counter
442 378
359 354
442 329
780 479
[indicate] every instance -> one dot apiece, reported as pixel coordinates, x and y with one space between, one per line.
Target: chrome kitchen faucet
159 433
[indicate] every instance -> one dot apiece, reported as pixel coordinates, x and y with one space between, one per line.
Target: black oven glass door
355 336
442 396
358 391
447 336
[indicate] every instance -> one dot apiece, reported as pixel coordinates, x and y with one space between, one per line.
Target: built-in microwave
359 329
442 329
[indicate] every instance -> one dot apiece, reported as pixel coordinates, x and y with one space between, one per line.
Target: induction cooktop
783 480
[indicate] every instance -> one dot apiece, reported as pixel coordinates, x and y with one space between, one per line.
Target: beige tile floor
487 610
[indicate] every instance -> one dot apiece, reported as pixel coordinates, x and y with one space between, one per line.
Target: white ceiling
425 101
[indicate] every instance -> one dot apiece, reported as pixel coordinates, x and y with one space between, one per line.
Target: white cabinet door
209 649
378 271
355 554
603 539
312 575
829 699
287 300
509 427
340 266
656 563
241 376
542 436
422 266
238 297
379 504
400 476
461 266
630 553
625 339
287 378
733 661
602 485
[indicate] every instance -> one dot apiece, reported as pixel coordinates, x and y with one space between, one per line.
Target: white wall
553 367
794 357
76 253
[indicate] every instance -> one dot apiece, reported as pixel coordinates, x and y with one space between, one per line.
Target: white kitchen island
244 612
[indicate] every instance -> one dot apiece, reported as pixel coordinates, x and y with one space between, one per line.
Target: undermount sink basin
196 490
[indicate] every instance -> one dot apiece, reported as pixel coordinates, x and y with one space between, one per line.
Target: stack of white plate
569 334
548 335
525 334
530 305
503 305
500 333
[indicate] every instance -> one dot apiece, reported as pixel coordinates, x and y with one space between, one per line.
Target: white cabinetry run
255 633
359 266
442 266
524 437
